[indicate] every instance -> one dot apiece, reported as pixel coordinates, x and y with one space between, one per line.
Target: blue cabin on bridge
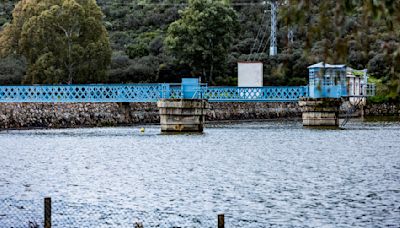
335 81
327 80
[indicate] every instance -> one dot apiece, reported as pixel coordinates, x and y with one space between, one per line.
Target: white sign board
250 74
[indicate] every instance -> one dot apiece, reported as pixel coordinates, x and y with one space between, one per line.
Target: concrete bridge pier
182 115
320 112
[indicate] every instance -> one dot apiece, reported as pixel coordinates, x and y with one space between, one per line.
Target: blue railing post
165 91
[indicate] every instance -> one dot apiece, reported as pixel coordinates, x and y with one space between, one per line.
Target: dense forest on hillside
322 31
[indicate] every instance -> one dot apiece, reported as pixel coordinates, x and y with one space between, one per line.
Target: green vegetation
12 70
383 92
362 34
154 42
63 41
202 37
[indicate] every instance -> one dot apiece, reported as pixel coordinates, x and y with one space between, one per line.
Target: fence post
221 221
47 212
138 225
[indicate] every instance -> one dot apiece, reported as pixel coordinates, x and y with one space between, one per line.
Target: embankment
382 109
63 115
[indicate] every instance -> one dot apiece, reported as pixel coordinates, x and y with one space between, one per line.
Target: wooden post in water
221 221
47 212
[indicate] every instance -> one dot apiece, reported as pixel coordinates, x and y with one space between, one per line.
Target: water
258 174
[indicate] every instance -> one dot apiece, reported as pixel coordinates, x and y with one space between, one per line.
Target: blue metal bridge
148 93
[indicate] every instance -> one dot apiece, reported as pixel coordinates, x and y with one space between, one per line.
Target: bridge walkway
147 93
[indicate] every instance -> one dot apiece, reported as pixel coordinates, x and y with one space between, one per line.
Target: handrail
146 93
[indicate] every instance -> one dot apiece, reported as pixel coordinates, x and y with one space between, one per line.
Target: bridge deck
146 93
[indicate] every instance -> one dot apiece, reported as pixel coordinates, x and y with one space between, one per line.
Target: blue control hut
335 81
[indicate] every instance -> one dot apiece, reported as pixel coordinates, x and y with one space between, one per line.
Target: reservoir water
259 174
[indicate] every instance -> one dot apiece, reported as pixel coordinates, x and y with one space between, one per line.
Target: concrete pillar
320 111
182 115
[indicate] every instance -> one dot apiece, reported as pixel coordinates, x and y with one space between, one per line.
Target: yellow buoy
142 129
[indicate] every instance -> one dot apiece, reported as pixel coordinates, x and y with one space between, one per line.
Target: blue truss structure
256 94
146 93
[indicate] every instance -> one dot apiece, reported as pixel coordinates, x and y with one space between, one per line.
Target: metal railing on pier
147 93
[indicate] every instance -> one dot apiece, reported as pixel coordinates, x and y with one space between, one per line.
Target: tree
202 37
64 41
141 45
12 70
359 33
362 34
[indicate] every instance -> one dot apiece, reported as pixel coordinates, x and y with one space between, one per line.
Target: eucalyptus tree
64 41
202 37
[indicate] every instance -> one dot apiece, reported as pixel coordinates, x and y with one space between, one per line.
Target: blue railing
84 93
255 94
146 93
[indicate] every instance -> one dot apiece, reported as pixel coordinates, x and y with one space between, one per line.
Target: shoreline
211 122
88 115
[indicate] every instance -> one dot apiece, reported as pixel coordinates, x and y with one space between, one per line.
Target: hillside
137 31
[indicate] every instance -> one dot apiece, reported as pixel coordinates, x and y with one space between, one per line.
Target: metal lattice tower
273 49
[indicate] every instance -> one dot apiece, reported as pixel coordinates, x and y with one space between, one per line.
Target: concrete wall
320 111
182 115
385 109
370 109
59 115
256 110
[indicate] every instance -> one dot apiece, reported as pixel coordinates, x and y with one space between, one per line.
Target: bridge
149 93
182 106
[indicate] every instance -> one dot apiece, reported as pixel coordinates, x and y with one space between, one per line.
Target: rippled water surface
258 174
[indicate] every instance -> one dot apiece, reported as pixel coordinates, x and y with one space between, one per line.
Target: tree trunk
212 62
205 74
70 67
211 72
